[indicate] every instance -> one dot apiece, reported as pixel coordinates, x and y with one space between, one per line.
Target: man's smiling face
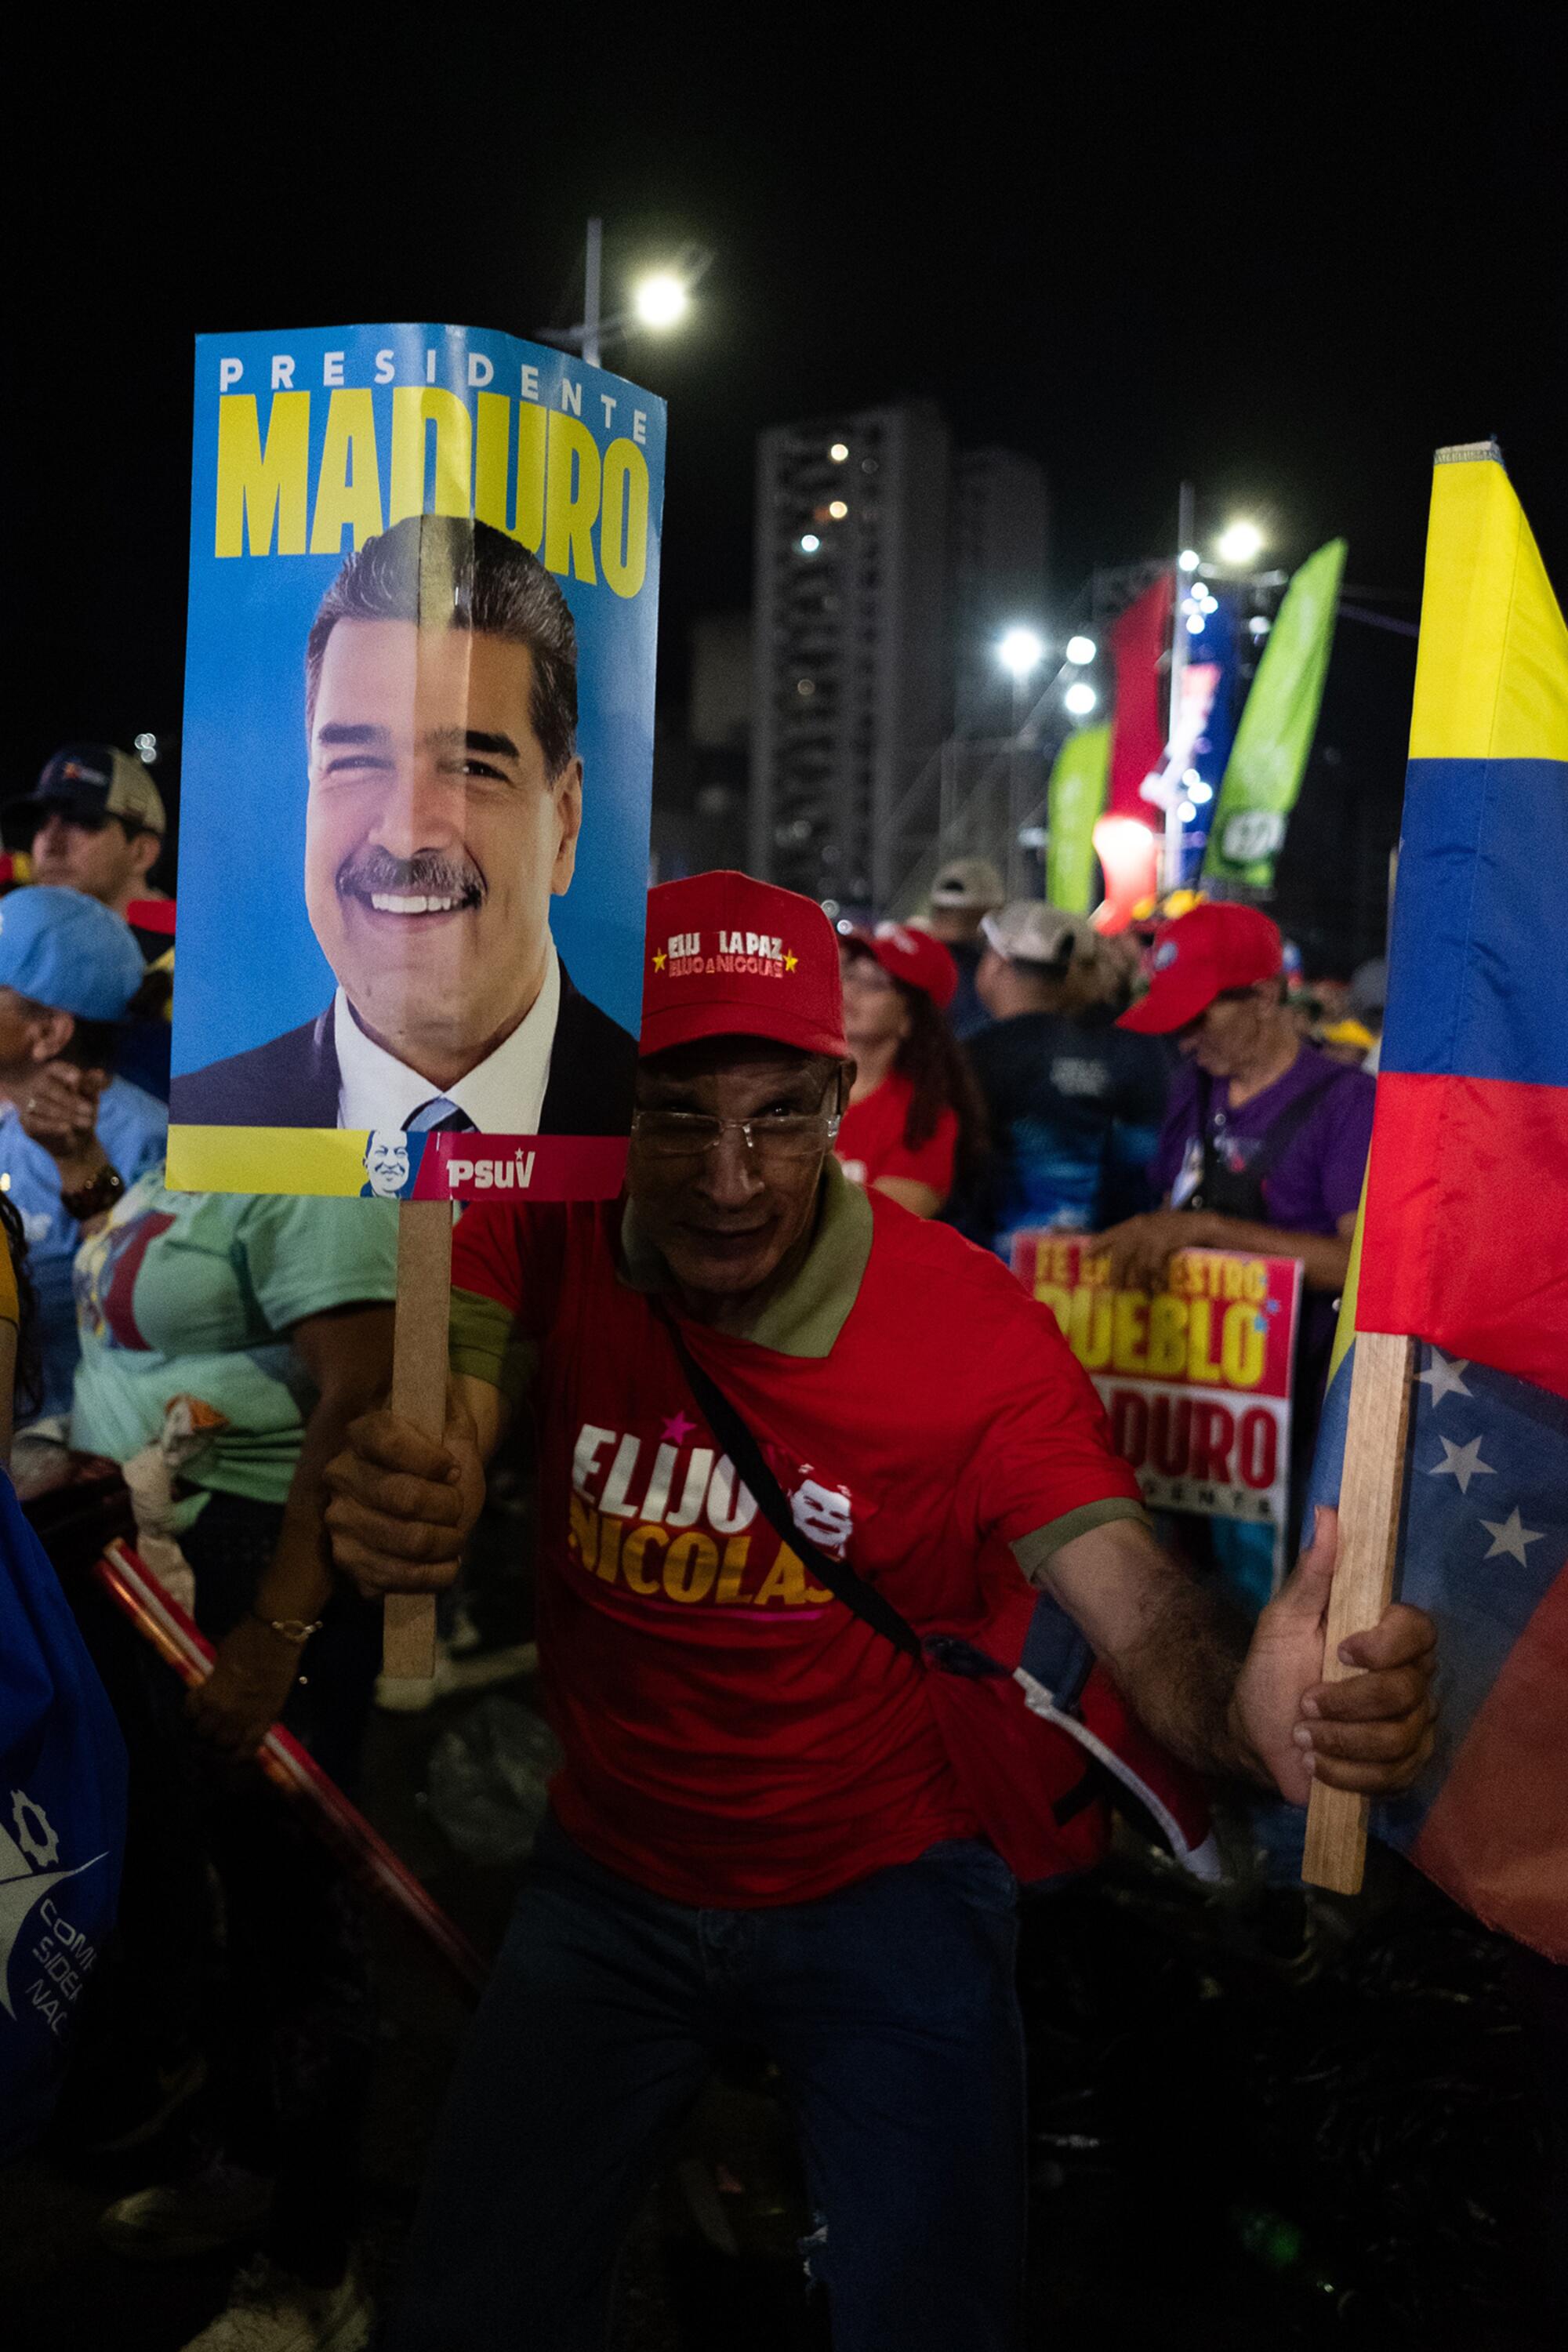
387 1163
434 838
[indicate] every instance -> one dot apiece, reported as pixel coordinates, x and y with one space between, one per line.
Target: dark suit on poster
293 1080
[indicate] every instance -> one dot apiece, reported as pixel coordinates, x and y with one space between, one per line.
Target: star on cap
1463 1461
1510 1536
1443 1375
791 961
659 960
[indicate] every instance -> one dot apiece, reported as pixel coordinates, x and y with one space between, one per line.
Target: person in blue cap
73 1137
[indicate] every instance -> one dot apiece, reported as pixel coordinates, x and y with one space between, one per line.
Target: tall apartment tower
853 674
1000 521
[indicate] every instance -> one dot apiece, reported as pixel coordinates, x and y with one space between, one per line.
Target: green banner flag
1269 758
1077 799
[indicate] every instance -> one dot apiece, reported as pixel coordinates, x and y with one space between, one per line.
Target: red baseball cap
913 957
1196 957
730 957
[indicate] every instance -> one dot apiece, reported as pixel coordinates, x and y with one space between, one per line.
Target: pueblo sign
1196 1380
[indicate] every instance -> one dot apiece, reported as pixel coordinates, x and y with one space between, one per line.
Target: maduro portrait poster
417 765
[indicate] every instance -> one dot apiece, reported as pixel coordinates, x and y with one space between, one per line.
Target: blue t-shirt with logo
133 1130
1074 1106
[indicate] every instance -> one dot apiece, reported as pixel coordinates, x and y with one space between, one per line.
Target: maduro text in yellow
538 474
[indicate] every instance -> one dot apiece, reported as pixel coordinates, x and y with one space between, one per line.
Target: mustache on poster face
377 874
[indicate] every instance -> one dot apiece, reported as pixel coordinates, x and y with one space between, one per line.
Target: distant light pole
659 300
1171 863
1020 652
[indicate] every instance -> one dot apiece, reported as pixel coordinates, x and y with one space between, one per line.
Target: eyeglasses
775 1137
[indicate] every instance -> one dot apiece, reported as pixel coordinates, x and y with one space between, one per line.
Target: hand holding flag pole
1363 1577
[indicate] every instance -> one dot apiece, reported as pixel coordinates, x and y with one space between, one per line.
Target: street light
1081 650
1240 542
659 300
1188 559
1021 651
1080 698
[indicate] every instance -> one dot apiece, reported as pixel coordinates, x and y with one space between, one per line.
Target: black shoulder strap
1280 1131
1209 1156
1288 1124
723 1418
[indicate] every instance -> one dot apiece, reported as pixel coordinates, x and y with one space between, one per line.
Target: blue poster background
248 966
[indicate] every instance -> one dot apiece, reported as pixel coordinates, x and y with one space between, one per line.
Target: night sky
1287 273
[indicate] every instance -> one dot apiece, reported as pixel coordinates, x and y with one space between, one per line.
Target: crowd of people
795 1808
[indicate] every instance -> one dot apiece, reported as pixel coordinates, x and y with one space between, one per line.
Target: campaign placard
1196 1380
417 766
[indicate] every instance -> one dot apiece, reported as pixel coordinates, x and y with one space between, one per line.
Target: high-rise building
998 561
853 669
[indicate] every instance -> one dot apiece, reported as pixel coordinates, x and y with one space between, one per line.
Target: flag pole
1371 1493
419 1395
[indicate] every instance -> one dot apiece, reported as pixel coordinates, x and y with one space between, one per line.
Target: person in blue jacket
73 1137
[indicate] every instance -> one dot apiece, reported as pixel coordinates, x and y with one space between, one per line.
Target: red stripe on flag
1138 647
1496 1838
1465 1240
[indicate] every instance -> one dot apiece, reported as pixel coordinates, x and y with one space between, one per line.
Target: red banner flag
1137 643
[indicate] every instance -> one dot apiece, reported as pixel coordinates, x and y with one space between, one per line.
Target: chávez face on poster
417 765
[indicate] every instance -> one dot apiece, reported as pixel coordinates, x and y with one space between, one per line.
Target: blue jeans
890 2008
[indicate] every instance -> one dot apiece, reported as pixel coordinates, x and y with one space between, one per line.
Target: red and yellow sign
1196 1380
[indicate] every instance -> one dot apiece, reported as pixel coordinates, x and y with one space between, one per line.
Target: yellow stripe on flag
1344 1330
1491 670
329 1160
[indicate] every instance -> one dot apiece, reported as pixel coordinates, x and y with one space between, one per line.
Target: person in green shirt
226 1343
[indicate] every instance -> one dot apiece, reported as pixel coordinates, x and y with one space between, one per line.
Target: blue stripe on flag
1480 961
1483 1533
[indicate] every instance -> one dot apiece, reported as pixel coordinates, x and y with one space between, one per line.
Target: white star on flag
1464 1462
1443 1375
1509 1536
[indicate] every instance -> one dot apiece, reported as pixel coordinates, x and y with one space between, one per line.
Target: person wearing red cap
775 1409
915 1120
1266 1139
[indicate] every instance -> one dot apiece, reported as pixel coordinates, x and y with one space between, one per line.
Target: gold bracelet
292 1629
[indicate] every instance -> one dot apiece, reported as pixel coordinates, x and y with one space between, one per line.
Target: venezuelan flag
1467 1211
1463 1236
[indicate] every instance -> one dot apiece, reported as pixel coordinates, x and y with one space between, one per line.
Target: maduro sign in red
1196 1380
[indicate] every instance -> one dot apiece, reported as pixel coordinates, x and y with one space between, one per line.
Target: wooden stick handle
1371 1491
419 1395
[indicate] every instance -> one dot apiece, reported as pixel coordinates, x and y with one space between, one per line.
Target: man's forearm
1174 1647
1179 1679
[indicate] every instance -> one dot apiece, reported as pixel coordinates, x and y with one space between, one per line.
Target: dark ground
1232 2147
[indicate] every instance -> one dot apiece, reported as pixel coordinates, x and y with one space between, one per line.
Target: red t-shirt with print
735 1736
871 1140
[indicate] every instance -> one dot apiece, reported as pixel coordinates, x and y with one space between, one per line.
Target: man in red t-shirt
759 1832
